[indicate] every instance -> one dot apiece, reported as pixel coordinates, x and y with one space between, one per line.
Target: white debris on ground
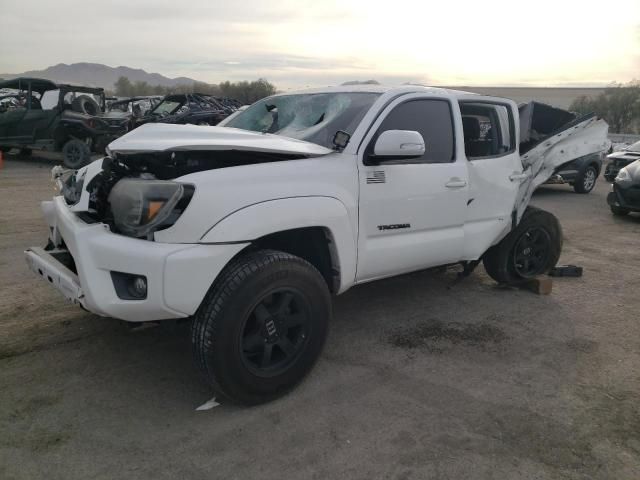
208 405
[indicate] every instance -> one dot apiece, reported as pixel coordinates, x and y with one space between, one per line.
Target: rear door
495 171
412 212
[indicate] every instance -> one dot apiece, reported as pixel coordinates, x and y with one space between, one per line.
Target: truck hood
624 154
160 137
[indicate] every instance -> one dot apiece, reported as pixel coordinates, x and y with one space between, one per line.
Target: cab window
433 119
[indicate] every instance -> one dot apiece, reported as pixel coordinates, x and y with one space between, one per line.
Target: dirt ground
418 380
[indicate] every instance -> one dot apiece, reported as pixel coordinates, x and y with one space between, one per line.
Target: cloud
300 42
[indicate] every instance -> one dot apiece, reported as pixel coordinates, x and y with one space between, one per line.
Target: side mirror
397 145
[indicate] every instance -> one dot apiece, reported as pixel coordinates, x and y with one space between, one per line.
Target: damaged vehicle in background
135 107
249 229
539 121
190 108
625 191
62 118
620 159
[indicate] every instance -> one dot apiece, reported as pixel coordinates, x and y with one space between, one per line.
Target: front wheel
586 180
262 326
533 248
75 154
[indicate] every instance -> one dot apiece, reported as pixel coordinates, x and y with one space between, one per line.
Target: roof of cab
398 89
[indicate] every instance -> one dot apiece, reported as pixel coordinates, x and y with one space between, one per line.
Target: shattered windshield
312 117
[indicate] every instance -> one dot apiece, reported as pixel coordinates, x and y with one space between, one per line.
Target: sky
324 42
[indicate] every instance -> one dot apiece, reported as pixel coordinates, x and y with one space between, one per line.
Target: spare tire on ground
76 154
85 104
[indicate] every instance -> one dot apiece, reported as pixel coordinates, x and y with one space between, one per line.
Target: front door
412 212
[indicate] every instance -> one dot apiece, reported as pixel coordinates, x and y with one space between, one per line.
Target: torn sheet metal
581 137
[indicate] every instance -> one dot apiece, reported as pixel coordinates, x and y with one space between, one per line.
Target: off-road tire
219 324
75 154
619 211
85 104
500 260
586 180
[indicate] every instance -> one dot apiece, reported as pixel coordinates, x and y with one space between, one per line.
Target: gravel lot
418 380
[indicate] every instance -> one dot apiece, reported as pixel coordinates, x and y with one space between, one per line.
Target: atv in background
134 107
190 108
40 114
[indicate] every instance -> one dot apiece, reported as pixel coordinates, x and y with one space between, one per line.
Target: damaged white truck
248 229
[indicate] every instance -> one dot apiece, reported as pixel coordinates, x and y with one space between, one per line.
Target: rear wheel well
593 164
314 244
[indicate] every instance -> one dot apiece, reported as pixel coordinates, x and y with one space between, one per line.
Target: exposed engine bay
149 166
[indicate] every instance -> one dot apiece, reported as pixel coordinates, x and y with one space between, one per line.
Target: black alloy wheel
531 252
275 332
262 325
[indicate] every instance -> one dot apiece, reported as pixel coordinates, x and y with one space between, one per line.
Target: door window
433 119
488 129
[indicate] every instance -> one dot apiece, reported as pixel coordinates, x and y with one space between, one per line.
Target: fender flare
255 221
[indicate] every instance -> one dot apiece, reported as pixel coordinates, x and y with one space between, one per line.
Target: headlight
140 207
623 176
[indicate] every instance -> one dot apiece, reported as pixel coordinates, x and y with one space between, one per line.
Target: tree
244 91
123 87
619 105
361 82
247 92
141 88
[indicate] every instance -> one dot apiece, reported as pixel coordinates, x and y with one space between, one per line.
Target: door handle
518 177
455 182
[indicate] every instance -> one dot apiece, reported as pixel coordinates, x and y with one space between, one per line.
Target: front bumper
628 198
178 275
611 172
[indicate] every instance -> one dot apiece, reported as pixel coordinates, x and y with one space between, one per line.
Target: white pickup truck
249 228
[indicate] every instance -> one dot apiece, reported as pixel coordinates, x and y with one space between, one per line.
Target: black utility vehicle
134 107
193 108
625 191
40 114
580 173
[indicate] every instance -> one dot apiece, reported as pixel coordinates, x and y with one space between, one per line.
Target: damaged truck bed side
249 228
539 122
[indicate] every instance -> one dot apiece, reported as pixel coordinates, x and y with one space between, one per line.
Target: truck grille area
62 255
